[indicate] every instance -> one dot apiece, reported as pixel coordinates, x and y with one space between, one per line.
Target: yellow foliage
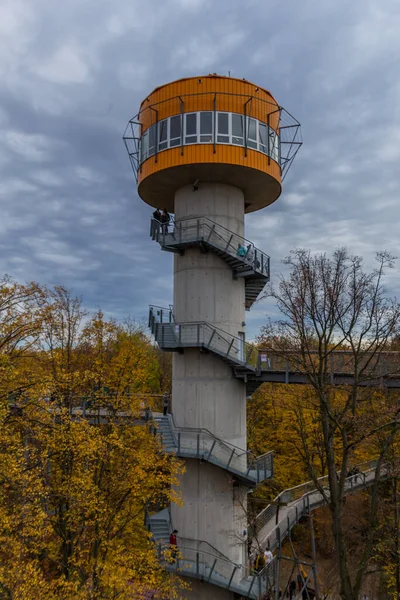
75 485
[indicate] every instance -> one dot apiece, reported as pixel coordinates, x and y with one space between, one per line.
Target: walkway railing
370 364
169 334
200 560
201 229
303 498
202 444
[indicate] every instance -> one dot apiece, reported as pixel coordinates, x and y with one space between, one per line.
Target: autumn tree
329 304
75 486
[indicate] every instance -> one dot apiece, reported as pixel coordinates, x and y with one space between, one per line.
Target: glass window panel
237 126
162 145
175 127
206 122
206 138
175 142
223 139
262 134
263 149
223 123
163 130
144 145
252 133
191 124
191 139
152 137
252 144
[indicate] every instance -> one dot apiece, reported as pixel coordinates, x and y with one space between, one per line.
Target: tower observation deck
210 149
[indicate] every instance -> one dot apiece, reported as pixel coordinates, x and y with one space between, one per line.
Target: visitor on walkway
241 251
165 219
299 581
292 589
268 556
260 562
173 544
166 404
157 215
156 224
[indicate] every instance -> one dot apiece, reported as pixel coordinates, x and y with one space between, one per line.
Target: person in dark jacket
156 223
173 545
292 589
166 404
165 219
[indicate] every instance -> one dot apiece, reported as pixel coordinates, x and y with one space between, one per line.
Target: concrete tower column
204 392
210 147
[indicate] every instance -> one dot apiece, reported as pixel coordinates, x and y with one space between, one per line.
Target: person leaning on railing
156 222
165 219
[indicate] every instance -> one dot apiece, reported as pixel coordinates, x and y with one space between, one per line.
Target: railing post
287 371
198 228
197 563
229 243
162 335
179 442
212 569
230 346
230 581
212 448
198 445
198 333
230 458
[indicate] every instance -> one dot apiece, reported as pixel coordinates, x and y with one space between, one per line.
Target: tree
333 304
74 484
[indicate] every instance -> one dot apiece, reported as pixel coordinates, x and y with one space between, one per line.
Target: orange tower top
211 128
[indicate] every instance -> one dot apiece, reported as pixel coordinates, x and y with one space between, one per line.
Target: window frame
272 136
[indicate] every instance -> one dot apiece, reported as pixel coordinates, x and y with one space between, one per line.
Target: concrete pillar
204 392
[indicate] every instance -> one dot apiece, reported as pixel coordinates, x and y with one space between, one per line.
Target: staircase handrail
229 445
214 552
225 234
249 349
308 487
228 231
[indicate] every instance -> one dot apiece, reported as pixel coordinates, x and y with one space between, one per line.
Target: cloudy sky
73 73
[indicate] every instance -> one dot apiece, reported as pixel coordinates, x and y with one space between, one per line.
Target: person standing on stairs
173 544
166 404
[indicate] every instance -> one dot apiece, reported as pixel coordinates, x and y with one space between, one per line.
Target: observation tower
210 149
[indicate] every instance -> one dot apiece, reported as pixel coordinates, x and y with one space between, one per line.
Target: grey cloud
72 77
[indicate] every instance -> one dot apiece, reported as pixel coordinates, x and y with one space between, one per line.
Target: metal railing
364 365
202 444
200 560
306 497
170 334
206 231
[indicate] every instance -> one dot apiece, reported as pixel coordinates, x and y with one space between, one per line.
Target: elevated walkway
257 365
201 444
275 522
199 560
240 254
175 337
